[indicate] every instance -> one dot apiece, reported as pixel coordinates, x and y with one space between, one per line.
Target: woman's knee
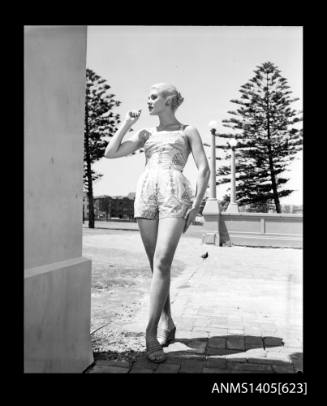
161 262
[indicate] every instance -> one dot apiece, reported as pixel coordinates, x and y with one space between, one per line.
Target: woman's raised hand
132 116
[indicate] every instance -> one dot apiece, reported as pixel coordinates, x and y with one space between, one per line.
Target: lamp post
211 210
213 129
233 206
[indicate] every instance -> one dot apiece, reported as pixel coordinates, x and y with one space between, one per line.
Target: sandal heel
166 337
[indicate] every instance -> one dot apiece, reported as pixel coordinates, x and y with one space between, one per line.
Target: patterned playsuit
162 190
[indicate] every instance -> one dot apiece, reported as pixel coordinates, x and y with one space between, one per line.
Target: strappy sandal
152 347
165 337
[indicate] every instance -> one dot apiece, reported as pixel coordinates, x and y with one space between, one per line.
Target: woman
163 204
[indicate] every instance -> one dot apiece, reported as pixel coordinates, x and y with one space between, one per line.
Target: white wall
54 100
57 277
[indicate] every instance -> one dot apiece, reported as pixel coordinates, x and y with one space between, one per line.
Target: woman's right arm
115 147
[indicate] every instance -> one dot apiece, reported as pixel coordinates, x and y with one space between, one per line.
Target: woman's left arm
201 163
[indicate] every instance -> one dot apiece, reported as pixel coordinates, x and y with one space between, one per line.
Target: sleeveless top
166 149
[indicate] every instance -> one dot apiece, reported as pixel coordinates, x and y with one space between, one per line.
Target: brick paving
238 311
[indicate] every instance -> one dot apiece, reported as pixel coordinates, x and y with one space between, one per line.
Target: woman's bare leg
149 231
168 235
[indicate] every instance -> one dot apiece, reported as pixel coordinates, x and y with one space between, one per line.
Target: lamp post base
232 208
211 207
211 214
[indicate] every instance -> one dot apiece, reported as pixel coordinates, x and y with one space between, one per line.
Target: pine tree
100 123
263 126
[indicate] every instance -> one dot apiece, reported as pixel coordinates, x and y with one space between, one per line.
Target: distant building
108 207
131 195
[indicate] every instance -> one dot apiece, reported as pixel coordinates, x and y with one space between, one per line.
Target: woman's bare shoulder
191 132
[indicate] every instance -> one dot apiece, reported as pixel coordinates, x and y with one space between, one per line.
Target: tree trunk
271 164
88 171
274 183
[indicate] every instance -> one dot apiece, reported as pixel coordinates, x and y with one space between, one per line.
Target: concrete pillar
233 206
211 210
57 288
213 187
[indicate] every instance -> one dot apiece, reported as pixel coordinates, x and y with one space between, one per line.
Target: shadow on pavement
227 354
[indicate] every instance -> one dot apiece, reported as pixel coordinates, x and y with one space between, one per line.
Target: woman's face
156 102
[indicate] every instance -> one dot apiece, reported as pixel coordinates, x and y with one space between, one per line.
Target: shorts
162 193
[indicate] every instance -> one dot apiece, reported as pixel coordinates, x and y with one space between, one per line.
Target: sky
208 65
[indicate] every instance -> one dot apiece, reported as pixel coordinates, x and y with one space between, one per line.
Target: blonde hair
169 91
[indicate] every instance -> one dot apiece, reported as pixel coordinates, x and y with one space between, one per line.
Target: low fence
261 229
254 229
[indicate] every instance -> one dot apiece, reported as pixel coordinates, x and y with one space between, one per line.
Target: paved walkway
237 311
